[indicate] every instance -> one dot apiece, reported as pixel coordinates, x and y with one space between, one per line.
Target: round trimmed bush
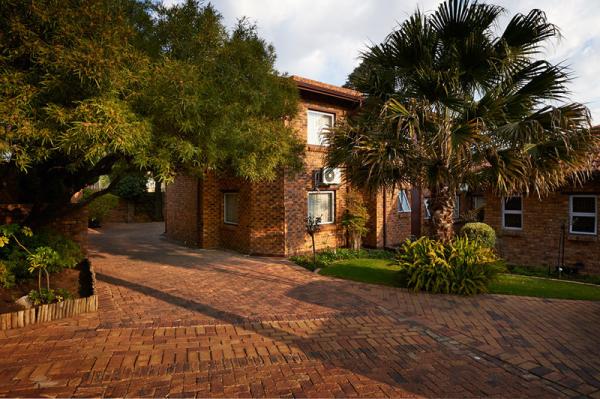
481 232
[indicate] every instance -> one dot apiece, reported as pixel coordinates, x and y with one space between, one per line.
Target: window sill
582 237
230 225
512 232
317 148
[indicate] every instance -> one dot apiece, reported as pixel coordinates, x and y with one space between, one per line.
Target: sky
323 39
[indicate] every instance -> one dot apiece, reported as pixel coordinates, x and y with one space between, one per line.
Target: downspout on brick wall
384 218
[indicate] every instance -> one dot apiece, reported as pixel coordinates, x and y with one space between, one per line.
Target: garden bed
79 281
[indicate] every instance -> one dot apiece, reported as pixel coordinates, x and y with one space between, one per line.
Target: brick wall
537 244
297 186
181 210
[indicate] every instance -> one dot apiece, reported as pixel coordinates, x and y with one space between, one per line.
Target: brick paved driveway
180 322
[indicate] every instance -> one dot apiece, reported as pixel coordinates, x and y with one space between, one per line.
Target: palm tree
449 101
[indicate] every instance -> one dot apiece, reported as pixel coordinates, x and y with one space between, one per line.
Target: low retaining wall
54 311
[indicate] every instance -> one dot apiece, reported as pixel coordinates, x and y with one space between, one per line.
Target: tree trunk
355 240
441 207
312 236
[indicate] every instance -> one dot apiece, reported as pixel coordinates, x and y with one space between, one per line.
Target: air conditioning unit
330 176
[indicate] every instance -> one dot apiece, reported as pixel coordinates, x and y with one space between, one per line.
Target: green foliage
461 266
7 278
106 87
450 99
355 219
22 253
47 296
131 186
101 206
481 232
329 256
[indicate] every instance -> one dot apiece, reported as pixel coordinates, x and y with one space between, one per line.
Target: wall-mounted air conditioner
330 176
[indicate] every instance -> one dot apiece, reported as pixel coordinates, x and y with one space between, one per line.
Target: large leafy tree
451 101
94 87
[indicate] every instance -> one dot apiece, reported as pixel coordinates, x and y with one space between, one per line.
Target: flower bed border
53 311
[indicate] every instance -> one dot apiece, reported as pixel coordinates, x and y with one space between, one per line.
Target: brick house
561 228
268 218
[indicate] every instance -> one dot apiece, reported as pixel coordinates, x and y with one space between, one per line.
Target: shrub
355 219
20 248
481 232
7 278
462 266
45 296
100 207
131 186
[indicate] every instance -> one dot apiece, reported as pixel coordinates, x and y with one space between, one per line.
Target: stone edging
53 311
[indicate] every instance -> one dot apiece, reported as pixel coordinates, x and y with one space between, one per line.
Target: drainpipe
384 218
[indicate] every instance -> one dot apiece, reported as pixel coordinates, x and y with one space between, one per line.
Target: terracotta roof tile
326 88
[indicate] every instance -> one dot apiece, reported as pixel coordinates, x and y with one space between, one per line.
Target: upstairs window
582 214
512 213
321 204
403 203
318 123
231 203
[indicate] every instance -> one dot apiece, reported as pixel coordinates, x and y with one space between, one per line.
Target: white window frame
400 194
312 111
426 202
512 212
332 194
583 214
225 208
456 210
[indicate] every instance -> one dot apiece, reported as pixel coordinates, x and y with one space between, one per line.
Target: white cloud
322 39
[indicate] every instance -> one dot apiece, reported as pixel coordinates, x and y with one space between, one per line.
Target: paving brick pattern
179 322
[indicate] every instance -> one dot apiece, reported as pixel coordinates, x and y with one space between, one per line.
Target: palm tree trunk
441 207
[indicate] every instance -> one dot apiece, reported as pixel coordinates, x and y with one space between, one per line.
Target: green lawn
374 271
513 284
382 271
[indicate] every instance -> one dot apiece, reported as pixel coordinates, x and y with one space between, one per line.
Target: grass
543 272
384 272
512 284
374 271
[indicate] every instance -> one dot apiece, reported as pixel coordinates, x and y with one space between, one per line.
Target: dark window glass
513 204
583 224
584 204
513 220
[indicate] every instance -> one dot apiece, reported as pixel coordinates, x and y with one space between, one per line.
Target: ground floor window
478 201
427 202
231 204
321 204
582 214
512 213
456 211
403 203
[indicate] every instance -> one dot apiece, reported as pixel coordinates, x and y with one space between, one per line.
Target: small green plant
7 278
355 219
313 225
100 207
45 296
40 260
461 266
481 232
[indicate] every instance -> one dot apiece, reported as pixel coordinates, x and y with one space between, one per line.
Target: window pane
583 224
427 211
513 204
321 205
456 211
512 220
478 201
231 208
317 123
584 204
403 204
